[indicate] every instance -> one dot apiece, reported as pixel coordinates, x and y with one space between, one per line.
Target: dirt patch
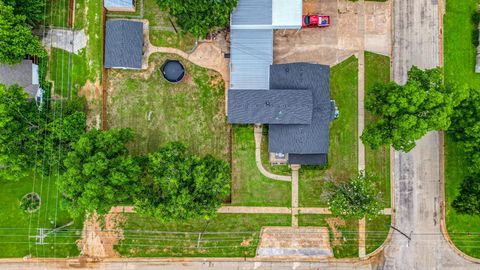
98 241
93 94
334 223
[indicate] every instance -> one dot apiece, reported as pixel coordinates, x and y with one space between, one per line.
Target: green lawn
460 56
227 235
345 244
249 186
192 111
343 154
376 232
160 33
70 71
377 162
57 13
16 225
464 230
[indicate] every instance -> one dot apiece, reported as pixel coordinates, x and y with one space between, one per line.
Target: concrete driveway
355 26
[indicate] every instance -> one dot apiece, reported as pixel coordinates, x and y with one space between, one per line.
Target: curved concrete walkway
258 131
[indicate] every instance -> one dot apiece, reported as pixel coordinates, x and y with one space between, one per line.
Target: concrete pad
294 242
68 40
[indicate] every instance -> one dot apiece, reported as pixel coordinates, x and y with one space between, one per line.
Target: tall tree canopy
33 10
199 16
30 137
406 113
19 122
180 186
465 127
468 200
16 38
356 198
99 172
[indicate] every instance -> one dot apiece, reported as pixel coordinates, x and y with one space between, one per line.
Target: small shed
123 44
120 5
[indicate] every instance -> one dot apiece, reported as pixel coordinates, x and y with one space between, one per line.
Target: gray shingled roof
308 159
270 106
303 139
123 44
119 3
21 74
251 56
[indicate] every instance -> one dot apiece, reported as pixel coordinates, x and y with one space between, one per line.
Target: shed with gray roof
25 74
123 44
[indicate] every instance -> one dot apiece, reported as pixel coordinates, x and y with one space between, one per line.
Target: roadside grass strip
460 54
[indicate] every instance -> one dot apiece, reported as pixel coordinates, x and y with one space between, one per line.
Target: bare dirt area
333 223
93 94
98 241
312 242
355 26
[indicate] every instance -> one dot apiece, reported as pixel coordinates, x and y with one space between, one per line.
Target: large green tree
33 137
199 16
100 173
33 10
19 136
356 198
465 127
16 38
180 186
468 199
407 112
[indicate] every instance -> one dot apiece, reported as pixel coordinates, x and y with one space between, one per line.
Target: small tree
406 113
16 38
356 198
468 200
199 16
99 172
180 186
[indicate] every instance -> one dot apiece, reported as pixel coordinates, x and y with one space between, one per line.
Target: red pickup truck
309 21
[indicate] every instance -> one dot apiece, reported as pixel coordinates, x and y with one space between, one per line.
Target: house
120 5
25 74
292 99
123 44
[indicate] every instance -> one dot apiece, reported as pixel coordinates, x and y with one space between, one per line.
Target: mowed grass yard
70 72
192 111
227 235
249 186
18 228
343 154
161 31
460 53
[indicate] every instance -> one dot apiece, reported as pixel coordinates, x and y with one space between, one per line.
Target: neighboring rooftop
119 5
25 74
123 44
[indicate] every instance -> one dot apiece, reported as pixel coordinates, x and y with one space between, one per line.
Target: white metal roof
286 14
